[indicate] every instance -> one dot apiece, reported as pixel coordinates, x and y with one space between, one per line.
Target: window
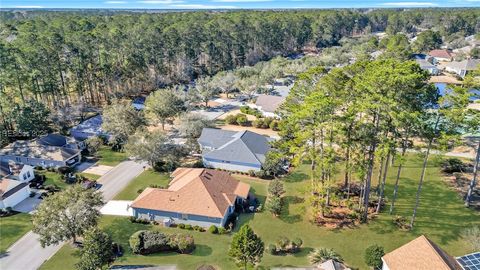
28 174
24 177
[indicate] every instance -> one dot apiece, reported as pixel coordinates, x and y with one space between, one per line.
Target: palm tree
320 255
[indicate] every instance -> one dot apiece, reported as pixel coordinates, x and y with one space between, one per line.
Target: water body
443 90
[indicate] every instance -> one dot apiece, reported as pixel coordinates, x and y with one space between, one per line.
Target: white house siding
384 265
230 166
26 174
178 218
40 162
16 198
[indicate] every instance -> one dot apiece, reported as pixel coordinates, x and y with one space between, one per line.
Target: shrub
261 174
64 170
274 125
196 228
213 229
222 230
282 243
148 242
373 256
401 222
242 120
231 119
296 245
453 165
181 226
188 227
251 173
140 190
272 249
274 205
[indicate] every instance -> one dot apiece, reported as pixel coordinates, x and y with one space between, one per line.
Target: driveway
98 169
28 205
28 254
117 208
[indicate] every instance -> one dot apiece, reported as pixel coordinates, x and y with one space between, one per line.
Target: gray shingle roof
53 140
33 149
242 146
269 103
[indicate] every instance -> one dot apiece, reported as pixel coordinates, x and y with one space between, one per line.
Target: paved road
27 254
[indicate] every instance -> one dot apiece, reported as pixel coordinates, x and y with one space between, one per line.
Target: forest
72 60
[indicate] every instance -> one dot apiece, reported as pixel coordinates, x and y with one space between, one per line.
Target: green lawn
13 228
109 157
53 178
441 216
90 176
148 177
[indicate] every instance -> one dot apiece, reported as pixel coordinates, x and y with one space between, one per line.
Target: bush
453 165
321 255
251 173
373 256
261 174
213 229
242 120
196 228
148 242
401 222
181 226
282 243
274 125
231 119
258 123
140 190
272 249
222 230
296 245
188 227
64 170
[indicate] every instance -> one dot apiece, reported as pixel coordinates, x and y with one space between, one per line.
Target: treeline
61 58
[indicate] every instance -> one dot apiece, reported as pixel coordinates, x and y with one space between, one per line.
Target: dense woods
62 59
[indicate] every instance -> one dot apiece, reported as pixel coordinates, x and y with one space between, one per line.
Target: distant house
34 153
194 196
233 150
420 253
463 67
16 171
425 65
268 104
12 192
441 55
88 128
139 103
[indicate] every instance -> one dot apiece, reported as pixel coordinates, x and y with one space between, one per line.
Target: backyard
13 228
441 216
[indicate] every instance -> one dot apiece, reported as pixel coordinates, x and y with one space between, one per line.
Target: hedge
148 242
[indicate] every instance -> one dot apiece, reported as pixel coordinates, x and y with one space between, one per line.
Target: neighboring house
463 67
441 55
88 128
233 150
58 140
470 261
425 65
327 265
420 254
268 104
34 153
16 171
139 103
12 192
195 196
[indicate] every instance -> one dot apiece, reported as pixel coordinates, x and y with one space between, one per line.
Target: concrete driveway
28 254
98 169
28 205
117 208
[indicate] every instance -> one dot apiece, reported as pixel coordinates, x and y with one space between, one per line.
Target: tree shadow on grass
285 215
295 177
202 250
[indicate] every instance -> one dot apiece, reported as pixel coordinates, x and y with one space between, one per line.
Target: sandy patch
266 132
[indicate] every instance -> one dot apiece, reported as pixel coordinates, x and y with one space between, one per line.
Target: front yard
441 216
144 180
13 228
109 157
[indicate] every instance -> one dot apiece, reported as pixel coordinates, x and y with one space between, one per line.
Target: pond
442 90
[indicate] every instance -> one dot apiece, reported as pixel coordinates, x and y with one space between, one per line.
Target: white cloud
164 2
115 2
409 4
200 6
28 6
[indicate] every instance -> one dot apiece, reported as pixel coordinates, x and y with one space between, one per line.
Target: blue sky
233 4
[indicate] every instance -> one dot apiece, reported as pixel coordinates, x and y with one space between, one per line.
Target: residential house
441 55
233 150
463 67
425 65
268 104
88 128
12 192
327 265
35 153
54 139
194 196
420 254
14 183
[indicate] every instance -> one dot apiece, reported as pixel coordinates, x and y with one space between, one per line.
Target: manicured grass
90 176
144 180
441 216
13 228
109 157
54 178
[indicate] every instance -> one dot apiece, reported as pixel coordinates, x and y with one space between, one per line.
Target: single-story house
441 55
268 104
463 67
88 128
12 192
34 153
421 254
194 196
425 65
233 150
16 171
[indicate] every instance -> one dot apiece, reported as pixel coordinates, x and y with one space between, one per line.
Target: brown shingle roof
420 254
201 192
269 103
441 53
